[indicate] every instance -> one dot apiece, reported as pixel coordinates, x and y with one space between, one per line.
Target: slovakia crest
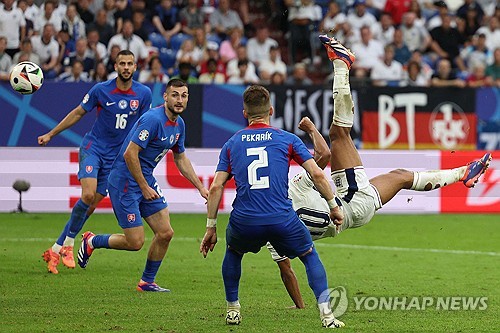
89 168
134 104
131 217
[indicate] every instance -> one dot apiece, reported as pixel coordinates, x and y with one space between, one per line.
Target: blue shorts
92 165
290 238
130 207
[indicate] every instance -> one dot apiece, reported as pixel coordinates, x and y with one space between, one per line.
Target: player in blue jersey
134 191
258 158
359 197
118 103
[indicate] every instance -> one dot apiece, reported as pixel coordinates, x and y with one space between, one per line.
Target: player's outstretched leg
231 274
343 151
86 249
389 184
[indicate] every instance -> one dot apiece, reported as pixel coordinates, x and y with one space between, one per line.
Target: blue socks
316 275
62 236
150 270
78 218
231 274
100 241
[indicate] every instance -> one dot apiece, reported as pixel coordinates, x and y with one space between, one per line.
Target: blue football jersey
117 112
156 135
259 157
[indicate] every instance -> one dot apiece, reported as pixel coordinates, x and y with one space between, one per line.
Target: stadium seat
177 40
167 57
157 40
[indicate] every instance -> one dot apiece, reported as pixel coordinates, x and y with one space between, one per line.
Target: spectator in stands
278 79
154 73
413 76
213 53
139 23
76 74
200 53
83 9
228 47
185 73
470 5
110 10
415 36
244 76
73 23
47 16
48 49
493 70
383 31
396 9
446 42
192 18
387 72
122 13
23 6
27 50
442 12
467 26
67 46
445 77
299 76
273 65
223 20
82 54
368 53
477 77
232 67
111 61
98 50
100 24
30 12
477 53
12 26
417 10
100 73
167 20
126 40
186 53
347 36
212 76
401 52
258 47
425 68
333 19
5 60
300 19
492 33
360 17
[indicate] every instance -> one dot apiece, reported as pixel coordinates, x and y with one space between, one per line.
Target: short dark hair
175 83
125 53
256 101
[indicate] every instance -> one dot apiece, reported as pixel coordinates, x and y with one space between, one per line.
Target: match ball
26 77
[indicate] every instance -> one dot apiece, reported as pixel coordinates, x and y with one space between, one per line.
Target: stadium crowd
396 42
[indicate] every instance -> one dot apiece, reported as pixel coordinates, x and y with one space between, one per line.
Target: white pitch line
340 246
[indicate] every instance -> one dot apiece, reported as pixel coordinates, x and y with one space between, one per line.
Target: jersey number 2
121 121
255 182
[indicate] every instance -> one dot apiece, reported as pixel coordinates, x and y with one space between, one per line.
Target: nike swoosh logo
108 103
163 139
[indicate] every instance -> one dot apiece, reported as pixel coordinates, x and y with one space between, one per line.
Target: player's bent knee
135 244
166 235
88 198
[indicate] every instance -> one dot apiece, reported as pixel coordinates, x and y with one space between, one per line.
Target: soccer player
134 191
119 103
360 198
258 158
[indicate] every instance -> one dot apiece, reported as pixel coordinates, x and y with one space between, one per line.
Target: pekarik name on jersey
257 137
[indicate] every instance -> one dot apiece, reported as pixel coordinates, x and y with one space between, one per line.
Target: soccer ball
26 77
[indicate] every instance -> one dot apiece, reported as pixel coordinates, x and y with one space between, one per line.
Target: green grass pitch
393 256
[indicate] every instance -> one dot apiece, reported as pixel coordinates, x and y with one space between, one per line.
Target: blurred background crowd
396 42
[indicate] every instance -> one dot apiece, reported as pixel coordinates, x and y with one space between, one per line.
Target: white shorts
359 198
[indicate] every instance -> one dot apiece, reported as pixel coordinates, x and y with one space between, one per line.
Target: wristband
332 203
211 223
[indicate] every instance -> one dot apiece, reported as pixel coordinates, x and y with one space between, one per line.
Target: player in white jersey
358 196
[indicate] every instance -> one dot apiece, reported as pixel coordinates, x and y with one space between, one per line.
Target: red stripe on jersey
258 125
293 156
129 91
229 159
88 145
171 123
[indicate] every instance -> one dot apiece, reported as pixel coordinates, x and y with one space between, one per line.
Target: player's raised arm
214 198
321 149
71 118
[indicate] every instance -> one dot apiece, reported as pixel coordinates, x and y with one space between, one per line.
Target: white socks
68 241
324 309
343 114
56 248
431 180
235 304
